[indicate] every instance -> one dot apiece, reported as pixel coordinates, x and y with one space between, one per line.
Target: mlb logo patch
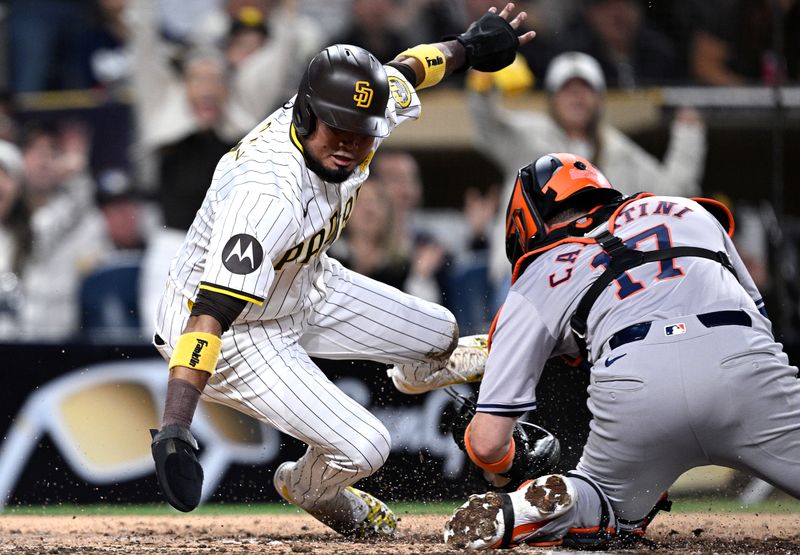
675 329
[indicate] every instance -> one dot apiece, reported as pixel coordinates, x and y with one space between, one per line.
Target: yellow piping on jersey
241 296
367 160
295 140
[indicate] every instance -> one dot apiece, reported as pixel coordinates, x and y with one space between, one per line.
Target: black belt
639 331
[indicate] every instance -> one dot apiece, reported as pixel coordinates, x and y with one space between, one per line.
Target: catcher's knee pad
179 473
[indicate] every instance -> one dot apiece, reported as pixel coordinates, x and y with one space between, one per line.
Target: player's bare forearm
202 323
490 435
490 445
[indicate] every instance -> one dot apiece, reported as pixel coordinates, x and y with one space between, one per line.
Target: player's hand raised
491 42
516 22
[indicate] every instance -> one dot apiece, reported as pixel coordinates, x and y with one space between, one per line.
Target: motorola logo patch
242 254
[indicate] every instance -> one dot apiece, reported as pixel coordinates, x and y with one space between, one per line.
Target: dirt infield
702 533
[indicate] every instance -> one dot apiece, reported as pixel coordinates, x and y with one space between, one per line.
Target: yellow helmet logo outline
363 96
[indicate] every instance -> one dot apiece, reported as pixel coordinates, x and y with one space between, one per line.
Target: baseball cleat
465 365
380 521
280 481
480 523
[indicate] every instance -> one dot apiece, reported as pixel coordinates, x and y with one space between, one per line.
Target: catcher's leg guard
501 520
179 473
630 532
465 364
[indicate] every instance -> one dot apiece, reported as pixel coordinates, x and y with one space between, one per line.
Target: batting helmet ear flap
302 115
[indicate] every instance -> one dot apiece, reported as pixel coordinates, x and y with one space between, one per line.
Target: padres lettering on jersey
320 239
267 221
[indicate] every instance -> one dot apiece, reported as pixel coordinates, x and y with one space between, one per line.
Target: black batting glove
490 43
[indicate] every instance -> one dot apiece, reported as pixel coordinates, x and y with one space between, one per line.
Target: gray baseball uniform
261 235
685 368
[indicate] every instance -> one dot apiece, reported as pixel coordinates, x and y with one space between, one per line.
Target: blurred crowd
85 247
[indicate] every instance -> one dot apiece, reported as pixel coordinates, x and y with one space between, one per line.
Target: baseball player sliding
685 371
252 295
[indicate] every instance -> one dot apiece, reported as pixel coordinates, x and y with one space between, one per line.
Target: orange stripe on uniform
523 530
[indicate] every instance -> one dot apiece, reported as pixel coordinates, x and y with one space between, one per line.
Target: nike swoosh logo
612 360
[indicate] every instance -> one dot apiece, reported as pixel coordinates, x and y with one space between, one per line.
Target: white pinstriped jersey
266 222
534 322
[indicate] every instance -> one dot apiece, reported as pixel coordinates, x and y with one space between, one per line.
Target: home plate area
686 533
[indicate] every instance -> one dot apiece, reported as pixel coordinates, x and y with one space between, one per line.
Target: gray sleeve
521 344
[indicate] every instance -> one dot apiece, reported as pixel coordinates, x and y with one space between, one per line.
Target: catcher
685 370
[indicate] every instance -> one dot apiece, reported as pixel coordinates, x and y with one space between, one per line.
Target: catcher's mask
346 87
550 185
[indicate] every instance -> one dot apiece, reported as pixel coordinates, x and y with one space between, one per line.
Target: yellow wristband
433 62
196 350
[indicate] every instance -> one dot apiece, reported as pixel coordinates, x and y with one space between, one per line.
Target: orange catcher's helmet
548 186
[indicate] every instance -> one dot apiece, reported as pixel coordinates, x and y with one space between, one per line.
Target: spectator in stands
67 233
372 26
397 172
732 41
631 53
179 20
109 295
471 296
334 13
426 21
44 37
16 239
247 35
573 123
369 246
121 210
188 120
251 34
104 56
9 127
398 175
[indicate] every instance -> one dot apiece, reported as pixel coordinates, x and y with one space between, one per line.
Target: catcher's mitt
537 451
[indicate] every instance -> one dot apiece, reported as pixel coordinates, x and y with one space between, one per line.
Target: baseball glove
537 451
